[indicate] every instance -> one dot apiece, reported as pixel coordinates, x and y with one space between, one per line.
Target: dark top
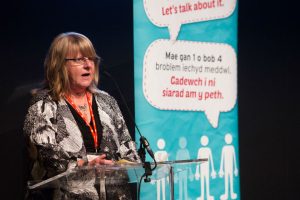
85 130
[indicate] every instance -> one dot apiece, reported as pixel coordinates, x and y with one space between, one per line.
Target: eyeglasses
82 60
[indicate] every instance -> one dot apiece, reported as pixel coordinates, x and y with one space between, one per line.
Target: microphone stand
146 165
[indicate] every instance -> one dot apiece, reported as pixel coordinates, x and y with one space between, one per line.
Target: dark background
267 81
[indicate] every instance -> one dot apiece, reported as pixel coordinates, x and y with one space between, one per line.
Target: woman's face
80 71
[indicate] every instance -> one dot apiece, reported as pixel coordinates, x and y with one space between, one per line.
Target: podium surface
120 173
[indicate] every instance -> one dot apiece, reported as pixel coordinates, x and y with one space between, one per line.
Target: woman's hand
80 163
100 160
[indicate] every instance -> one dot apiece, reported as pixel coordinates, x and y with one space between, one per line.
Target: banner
185 78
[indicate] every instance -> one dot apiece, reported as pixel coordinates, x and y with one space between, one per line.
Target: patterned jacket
56 142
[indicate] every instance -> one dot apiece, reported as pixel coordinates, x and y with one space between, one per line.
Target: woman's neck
77 94
80 100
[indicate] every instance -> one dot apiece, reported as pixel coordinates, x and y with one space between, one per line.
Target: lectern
122 172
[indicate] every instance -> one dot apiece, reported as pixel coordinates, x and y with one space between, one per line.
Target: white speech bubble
173 13
191 76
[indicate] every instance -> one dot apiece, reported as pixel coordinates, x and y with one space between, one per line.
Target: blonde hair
56 74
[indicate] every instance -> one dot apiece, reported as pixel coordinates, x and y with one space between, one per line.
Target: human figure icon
161 155
228 163
203 169
181 177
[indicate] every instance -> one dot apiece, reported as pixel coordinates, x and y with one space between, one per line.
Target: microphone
143 141
146 144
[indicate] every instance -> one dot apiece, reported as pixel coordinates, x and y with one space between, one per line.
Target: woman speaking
70 119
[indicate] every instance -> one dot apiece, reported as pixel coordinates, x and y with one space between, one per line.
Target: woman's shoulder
40 95
103 95
41 107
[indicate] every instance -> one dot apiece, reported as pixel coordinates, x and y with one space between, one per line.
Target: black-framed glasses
83 60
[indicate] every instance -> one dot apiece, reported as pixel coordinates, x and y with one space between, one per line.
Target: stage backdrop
185 71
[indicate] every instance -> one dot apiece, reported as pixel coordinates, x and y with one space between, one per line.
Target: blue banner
185 78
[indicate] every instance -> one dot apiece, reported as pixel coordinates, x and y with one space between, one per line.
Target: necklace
83 107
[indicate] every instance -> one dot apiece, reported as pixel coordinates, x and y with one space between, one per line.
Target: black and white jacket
56 142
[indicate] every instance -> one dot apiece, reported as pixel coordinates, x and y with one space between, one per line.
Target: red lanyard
92 129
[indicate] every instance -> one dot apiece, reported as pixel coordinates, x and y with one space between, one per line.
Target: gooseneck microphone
144 144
